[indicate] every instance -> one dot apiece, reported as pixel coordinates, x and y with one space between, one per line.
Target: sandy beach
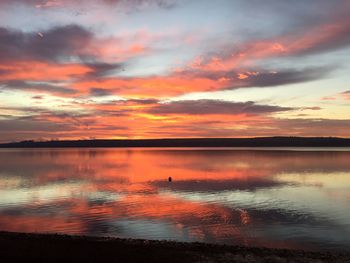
63 248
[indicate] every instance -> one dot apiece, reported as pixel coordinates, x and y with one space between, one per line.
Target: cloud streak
207 107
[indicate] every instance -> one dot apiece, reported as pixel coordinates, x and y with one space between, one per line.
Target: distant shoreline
64 248
190 142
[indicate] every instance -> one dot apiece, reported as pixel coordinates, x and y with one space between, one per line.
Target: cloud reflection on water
276 199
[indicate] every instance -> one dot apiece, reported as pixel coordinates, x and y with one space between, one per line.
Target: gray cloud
311 108
52 45
99 92
102 69
38 97
263 78
285 77
146 101
201 107
43 87
24 125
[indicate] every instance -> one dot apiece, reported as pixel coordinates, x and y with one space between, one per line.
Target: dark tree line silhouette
191 142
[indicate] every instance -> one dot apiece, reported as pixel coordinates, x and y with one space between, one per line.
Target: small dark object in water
170 179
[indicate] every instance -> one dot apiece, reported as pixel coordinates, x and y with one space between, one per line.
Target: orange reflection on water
237 197
42 224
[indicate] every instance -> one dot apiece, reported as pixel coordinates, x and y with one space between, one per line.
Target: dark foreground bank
191 142
62 248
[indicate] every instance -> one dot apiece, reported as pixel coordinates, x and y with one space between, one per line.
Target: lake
281 198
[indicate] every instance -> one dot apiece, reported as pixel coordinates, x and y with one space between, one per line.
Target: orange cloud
41 71
153 86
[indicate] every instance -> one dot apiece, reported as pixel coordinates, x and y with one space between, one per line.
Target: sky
84 69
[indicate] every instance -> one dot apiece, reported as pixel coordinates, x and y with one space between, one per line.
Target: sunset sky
81 69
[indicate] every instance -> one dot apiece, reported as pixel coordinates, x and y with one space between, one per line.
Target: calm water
273 198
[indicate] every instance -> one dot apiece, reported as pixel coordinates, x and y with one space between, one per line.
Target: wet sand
23 247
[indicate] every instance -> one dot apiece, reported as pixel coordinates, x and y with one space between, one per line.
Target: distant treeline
193 142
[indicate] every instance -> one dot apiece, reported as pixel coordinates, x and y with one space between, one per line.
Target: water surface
290 198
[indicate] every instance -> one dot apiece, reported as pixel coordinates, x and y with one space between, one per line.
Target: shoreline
61 248
187 142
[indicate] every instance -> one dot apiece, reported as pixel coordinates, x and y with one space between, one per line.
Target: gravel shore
24 247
